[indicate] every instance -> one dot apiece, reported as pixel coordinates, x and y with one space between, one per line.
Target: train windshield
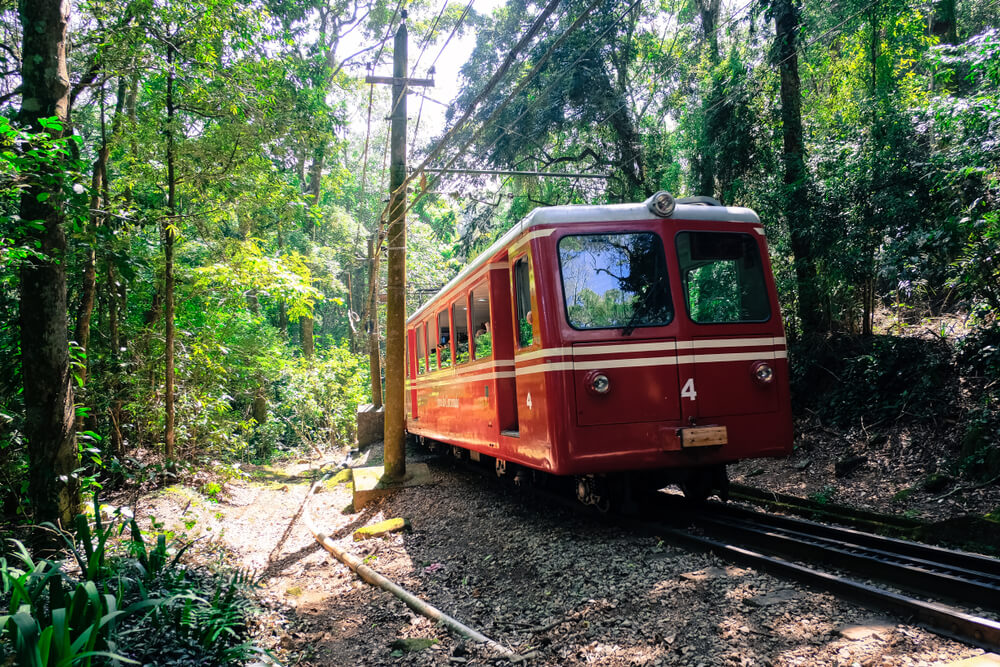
615 281
723 277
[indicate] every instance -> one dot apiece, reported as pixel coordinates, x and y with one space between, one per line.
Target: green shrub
137 606
978 354
880 380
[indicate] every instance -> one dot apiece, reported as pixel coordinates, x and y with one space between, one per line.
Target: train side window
460 320
421 349
723 277
482 339
443 340
522 293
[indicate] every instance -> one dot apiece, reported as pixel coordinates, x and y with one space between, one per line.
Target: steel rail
841 514
916 550
927 576
939 618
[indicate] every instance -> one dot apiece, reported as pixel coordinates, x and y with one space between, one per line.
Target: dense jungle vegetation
191 225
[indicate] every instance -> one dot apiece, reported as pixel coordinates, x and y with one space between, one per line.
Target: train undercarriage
603 491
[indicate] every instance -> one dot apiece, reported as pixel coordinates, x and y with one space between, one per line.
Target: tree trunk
708 10
351 338
116 447
168 267
943 21
797 203
630 159
315 181
306 332
53 488
260 407
88 290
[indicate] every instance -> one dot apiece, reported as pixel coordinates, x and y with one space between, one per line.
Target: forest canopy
209 187
195 227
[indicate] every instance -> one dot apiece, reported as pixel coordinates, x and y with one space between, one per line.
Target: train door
525 329
501 341
414 350
725 291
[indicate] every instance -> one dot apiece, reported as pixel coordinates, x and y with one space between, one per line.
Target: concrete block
371 483
371 423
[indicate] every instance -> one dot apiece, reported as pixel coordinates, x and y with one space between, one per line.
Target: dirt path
563 589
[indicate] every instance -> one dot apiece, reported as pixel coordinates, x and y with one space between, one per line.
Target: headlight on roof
661 204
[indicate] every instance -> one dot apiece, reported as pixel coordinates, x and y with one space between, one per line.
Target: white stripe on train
595 364
666 346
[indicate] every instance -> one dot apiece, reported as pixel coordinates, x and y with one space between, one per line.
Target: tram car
639 342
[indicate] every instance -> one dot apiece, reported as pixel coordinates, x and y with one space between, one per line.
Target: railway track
873 522
946 591
851 564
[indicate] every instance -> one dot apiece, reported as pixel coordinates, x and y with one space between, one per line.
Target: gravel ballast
557 587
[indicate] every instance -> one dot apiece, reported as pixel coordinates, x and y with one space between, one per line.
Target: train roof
578 213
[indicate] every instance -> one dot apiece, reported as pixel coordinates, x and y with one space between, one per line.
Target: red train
639 342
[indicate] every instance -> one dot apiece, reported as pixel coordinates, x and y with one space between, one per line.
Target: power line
490 85
428 37
416 63
461 19
527 79
511 172
368 131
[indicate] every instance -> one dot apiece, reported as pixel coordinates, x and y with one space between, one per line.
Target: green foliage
978 360
902 495
484 345
825 495
137 606
874 382
524 332
317 401
978 354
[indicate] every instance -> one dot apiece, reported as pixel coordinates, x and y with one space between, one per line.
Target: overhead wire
490 85
371 90
428 37
371 94
461 19
732 17
523 84
413 70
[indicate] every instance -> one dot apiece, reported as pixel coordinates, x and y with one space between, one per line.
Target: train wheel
703 482
721 482
698 485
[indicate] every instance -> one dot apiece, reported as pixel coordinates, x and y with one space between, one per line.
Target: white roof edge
577 213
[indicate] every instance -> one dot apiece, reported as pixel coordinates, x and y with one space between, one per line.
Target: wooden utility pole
374 354
395 317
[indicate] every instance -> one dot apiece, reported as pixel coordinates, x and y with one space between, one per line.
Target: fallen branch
973 487
411 600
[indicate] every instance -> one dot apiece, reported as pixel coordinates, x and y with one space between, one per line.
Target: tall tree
796 196
48 392
168 230
708 11
577 109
